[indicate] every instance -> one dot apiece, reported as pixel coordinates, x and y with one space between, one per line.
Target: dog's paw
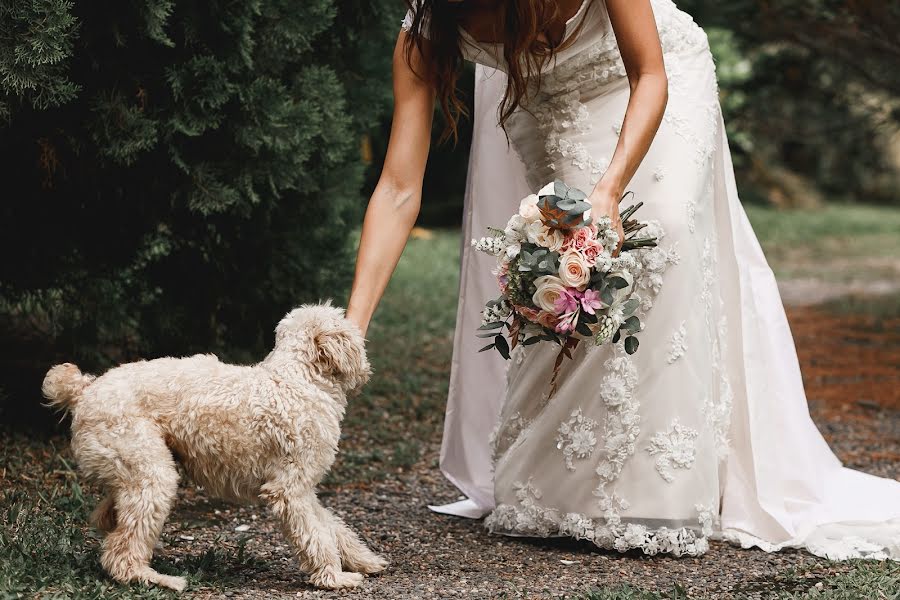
368 563
170 581
335 580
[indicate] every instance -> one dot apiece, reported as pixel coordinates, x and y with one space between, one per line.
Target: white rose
538 233
528 209
549 289
552 239
574 271
533 230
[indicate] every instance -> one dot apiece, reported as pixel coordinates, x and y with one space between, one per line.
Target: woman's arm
394 205
638 39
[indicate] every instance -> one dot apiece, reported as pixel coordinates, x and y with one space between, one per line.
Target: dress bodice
548 130
593 53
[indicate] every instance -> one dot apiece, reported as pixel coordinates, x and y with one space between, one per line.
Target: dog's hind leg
103 518
355 555
144 492
312 538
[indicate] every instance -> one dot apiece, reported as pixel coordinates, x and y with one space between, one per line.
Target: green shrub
178 174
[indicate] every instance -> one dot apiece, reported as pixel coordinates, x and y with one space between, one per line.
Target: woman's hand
607 204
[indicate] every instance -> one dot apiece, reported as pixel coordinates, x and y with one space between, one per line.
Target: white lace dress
705 430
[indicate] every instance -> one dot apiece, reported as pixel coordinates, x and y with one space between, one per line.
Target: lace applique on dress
674 449
576 438
678 344
530 518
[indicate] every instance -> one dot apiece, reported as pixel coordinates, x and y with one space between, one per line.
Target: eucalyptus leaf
560 188
617 282
502 346
631 344
576 194
630 306
606 296
494 325
566 204
488 347
617 336
632 324
580 208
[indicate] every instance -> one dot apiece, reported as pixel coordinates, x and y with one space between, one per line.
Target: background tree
177 174
811 93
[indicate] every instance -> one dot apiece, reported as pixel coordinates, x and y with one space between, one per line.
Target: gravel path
852 371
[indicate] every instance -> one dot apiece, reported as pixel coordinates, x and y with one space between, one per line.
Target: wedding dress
705 431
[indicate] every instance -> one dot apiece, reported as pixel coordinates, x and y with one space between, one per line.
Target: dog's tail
64 384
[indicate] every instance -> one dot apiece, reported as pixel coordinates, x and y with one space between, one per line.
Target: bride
705 431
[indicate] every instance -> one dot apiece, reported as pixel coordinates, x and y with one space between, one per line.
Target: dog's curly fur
248 433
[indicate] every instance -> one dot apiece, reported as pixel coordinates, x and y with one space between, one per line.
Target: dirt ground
851 367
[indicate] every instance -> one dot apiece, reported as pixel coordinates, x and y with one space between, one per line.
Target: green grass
410 341
835 243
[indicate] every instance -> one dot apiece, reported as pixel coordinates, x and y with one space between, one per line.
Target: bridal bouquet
560 278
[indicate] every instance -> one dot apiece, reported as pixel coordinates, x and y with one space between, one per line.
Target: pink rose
591 251
578 239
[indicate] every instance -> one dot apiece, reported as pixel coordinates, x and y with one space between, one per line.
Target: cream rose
549 289
528 209
552 239
574 270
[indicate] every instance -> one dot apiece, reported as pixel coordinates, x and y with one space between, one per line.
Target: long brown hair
525 50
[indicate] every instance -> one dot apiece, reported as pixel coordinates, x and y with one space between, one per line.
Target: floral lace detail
506 433
674 449
530 518
601 63
708 518
691 208
576 438
707 264
659 174
620 428
558 112
653 263
517 354
717 410
678 345
702 147
580 157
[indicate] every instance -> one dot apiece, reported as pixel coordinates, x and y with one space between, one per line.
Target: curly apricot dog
264 432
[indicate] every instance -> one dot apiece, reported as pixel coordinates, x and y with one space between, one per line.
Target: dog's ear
340 350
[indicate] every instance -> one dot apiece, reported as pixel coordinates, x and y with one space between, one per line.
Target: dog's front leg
355 555
313 539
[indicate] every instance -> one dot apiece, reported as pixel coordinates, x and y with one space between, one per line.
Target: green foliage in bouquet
565 207
178 174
